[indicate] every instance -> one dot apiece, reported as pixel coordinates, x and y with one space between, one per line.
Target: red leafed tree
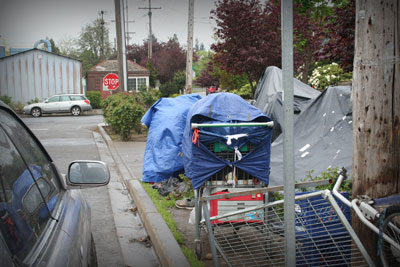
249 37
168 57
207 78
340 27
168 60
139 53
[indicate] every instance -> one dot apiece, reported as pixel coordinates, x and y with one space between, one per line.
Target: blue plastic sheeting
200 163
166 121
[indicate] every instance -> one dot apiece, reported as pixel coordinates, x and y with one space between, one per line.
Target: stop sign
111 81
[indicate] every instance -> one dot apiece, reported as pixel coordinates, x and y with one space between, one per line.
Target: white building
39 74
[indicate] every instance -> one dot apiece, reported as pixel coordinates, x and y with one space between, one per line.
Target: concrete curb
165 245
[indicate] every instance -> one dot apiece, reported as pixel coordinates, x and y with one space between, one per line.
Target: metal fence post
288 150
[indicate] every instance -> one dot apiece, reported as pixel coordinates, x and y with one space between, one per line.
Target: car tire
93 254
36 112
76 111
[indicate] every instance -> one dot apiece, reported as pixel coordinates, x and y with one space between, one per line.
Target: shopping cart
226 148
231 178
324 236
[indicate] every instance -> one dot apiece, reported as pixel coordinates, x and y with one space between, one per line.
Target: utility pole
150 44
127 21
102 57
189 54
121 52
376 127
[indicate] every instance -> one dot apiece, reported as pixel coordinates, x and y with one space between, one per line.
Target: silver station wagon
63 103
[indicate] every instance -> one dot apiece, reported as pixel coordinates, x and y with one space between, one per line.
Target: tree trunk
376 105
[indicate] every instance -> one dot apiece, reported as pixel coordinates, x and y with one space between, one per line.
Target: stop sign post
111 81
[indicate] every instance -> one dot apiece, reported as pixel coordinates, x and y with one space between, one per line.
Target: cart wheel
198 248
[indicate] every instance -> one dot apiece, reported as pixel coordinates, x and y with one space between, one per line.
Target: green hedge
123 113
94 98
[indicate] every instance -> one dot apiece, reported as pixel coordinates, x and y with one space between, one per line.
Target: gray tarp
323 137
269 94
271 83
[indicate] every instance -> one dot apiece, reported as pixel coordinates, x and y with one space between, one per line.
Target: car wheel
76 111
36 112
93 254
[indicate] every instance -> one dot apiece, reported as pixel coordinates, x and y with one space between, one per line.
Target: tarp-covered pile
166 121
269 92
323 137
200 163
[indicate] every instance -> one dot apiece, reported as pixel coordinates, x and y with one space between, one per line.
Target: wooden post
376 104
189 54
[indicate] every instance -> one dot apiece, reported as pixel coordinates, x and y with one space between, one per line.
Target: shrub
326 75
17 107
329 174
6 99
123 113
147 98
94 98
36 100
173 86
244 91
168 89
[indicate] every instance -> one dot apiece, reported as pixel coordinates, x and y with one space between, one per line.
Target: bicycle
386 224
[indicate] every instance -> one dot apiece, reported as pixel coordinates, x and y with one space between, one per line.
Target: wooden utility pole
376 104
102 57
189 54
150 44
127 21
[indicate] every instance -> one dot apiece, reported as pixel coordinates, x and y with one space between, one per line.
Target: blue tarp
165 120
201 163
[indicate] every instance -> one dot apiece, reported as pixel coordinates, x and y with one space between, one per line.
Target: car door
30 191
65 104
51 105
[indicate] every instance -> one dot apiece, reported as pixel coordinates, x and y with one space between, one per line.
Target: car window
53 99
26 178
77 97
65 98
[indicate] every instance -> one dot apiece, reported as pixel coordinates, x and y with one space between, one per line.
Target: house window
132 84
136 84
141 83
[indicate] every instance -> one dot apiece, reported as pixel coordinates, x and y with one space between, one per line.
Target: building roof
112 65
39 50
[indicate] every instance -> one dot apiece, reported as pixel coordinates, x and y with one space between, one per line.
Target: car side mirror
46 101
88 173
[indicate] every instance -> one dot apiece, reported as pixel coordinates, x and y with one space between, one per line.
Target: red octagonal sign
111 81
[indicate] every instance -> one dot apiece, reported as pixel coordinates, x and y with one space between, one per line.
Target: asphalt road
67 138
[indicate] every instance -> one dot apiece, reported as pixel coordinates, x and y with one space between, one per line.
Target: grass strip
163 205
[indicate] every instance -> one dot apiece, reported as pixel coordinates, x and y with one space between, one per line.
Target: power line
150 48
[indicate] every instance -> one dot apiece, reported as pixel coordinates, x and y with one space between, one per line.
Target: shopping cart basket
324 236
226 148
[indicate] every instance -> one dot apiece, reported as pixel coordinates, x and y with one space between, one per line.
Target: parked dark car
64 103
42 221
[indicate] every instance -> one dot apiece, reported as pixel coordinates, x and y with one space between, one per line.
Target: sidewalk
128 157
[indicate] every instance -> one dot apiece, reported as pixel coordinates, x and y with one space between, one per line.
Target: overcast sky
23 22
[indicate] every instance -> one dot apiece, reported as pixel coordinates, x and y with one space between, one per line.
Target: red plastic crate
223 206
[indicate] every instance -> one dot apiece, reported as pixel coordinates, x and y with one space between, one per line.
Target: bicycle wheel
390 256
